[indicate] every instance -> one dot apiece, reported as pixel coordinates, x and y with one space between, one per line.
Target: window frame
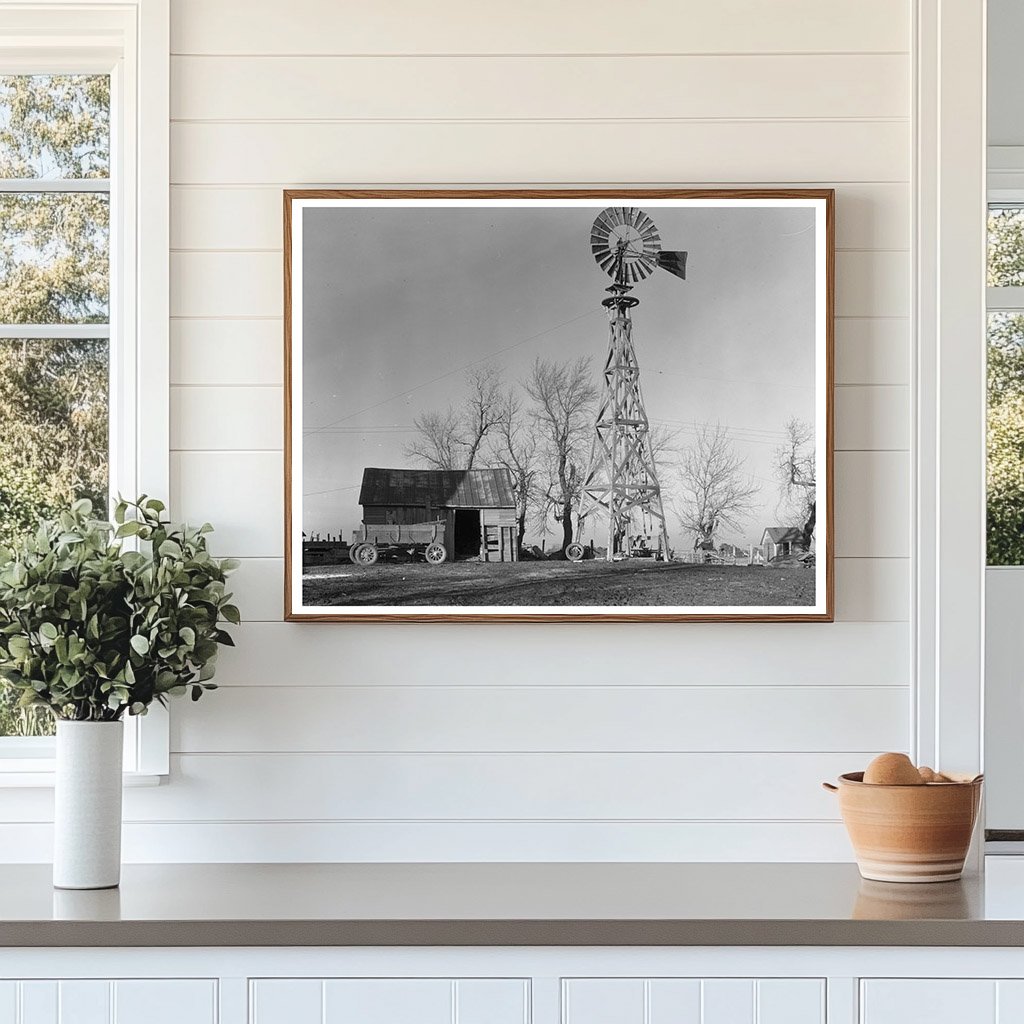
130 41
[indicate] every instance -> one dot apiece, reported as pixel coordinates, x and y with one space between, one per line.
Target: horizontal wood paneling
737 654
227 352
607 786
872 589
538 88
867 589
873 283
232 284
582 151
872 351
236 418
534 26
327 841
736 93
868 216
239 492
872 418
550 718
872 504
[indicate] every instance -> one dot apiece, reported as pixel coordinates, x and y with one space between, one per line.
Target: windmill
622 478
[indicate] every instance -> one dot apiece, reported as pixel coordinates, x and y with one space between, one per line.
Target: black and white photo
559 405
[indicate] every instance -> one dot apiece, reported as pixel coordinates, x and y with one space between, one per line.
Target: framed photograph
559 405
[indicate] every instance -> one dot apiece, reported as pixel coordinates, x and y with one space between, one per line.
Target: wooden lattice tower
622 475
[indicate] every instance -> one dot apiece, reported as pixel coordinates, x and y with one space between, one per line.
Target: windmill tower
622 477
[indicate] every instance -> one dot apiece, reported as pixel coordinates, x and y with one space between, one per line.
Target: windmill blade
673 262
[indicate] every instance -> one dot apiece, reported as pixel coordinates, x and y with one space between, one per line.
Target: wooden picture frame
353 296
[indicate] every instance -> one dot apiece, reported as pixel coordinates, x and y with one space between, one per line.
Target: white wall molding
950 437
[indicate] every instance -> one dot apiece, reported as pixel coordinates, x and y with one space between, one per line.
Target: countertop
563 904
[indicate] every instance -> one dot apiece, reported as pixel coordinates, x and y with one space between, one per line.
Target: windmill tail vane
622 474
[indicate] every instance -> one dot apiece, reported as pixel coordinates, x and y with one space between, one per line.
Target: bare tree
438 442
715 491
453 439
563 397
482 411
514 446
797 471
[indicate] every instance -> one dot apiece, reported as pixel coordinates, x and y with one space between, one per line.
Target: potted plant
93 629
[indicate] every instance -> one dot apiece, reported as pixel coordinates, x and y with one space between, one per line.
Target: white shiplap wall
688 741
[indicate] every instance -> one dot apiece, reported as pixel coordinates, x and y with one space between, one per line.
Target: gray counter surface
499 905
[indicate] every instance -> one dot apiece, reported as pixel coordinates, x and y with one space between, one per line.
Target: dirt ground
516 584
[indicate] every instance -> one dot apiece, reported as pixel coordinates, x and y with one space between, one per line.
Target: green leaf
140 644
170 549
231 613
48 631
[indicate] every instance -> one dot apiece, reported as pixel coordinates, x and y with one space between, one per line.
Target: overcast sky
400 302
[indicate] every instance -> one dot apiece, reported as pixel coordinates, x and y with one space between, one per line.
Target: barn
477 505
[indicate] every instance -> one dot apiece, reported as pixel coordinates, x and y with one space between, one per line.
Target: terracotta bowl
909 833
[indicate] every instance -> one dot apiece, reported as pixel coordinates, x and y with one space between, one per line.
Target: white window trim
949 444
130 40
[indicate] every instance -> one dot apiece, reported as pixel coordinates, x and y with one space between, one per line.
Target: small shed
782 541
477 505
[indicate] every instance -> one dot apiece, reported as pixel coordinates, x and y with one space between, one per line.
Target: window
54 309
84 125
1005 484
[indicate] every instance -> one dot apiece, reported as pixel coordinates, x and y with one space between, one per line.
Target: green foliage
54 126
91 630
1005 247
1005 478
53 447
1006 481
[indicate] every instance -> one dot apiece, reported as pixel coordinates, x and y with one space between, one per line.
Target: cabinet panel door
693 1001
790 1001
388 1001
286 1001
930 1001
8 1002
101 1001
165 1002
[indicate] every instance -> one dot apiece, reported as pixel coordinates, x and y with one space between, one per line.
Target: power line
458 369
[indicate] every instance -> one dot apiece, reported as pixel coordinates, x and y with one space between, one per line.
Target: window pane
54 126
1005 246
53 449
54 257
1006 439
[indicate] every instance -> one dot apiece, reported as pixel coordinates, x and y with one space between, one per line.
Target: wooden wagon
411 540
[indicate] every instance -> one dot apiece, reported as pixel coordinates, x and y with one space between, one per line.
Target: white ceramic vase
87 807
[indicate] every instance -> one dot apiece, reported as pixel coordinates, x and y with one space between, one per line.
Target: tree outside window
54 307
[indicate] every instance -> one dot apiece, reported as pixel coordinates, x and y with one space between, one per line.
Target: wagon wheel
367 554
436 553
574 551
353 553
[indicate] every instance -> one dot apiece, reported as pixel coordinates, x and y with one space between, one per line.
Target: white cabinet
141 1001
389 1001
942 1001
693 1001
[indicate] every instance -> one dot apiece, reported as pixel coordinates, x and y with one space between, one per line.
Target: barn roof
456 488
781 534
